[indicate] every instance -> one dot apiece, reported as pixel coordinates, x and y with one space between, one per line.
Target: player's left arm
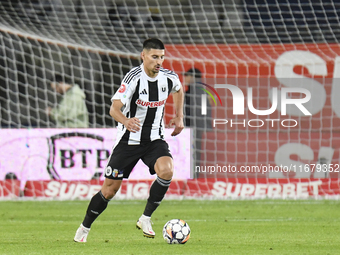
178 98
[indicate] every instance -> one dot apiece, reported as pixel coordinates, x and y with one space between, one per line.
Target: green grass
218 227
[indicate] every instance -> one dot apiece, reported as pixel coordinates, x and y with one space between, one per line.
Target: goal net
262 110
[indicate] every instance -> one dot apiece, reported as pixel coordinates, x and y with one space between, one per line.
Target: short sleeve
124 93
128 86
176 85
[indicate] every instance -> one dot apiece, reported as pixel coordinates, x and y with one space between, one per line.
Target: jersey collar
147 76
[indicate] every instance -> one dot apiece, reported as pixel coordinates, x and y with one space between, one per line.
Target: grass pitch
218 227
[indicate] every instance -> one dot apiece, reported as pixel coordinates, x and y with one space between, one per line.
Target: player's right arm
131 124
122 97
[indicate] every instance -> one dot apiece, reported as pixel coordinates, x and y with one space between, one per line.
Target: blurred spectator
71 111
193 91
193 116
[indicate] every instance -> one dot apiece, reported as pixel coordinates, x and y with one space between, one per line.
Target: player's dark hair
153 43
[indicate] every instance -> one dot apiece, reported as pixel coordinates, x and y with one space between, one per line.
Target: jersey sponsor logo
150 104
122 88
163 89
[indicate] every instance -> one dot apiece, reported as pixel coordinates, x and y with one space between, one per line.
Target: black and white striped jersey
144 97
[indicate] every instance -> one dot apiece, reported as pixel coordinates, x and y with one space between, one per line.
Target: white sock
143 217
84 227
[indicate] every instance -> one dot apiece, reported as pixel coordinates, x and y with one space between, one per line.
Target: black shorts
124 157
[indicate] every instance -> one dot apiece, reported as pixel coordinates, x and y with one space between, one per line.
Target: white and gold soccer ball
176 231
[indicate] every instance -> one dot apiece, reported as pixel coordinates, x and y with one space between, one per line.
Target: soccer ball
176 232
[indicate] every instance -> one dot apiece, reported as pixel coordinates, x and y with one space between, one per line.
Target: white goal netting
270 47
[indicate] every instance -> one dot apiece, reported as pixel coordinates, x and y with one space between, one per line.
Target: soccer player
138 106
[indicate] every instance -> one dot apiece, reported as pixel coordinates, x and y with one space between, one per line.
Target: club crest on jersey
150 104
122 88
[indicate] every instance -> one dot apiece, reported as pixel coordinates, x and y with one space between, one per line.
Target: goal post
269 83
